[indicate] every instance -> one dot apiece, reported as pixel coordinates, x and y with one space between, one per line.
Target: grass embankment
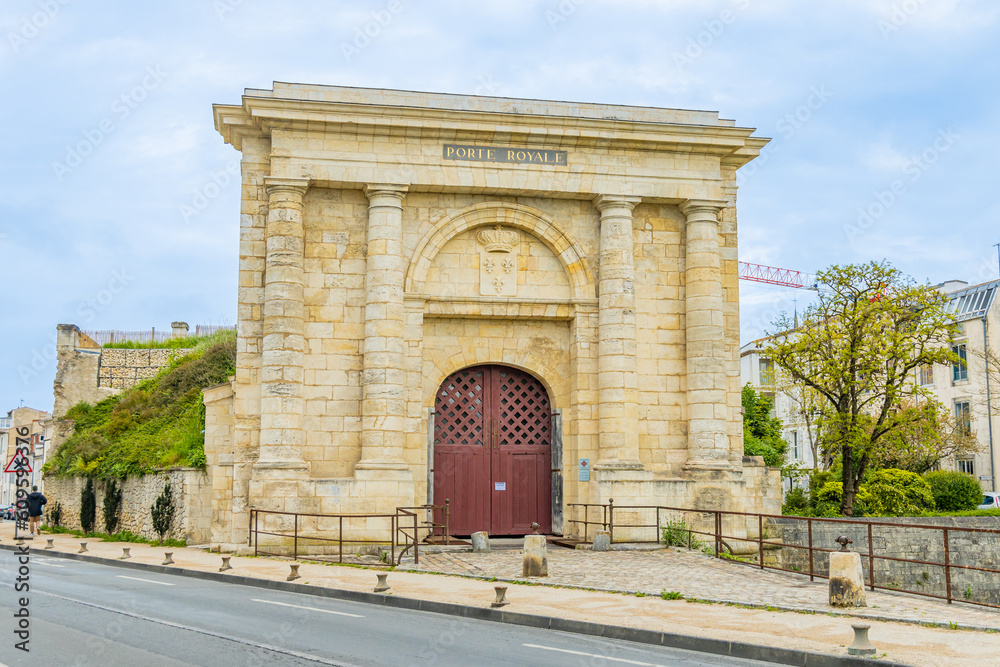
124 536
159 423
187 342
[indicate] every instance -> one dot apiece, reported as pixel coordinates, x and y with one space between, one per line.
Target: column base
709 465
381 464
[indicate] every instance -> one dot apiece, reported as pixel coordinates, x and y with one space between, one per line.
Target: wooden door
492 451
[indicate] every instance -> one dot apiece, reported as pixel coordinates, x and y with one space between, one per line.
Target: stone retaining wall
191 489
904 540
121 368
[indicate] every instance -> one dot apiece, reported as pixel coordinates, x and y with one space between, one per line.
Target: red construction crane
772 275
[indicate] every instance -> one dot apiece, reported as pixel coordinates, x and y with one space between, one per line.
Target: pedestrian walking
35 502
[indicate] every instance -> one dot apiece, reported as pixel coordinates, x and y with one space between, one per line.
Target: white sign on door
499 486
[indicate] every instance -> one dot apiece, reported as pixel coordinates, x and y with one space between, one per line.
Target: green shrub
88 506
796 502
954 491
112 506
163 512
893 492
675 534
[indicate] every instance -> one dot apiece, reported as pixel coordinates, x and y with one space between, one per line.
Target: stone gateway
449 296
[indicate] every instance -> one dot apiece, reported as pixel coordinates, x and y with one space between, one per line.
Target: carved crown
498 239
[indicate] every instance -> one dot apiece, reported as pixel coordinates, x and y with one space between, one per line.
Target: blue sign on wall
584 470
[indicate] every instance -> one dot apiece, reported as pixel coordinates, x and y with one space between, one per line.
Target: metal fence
960 548
297 533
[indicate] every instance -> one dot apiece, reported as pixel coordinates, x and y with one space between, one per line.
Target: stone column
281 403
708 440
618 411
383 405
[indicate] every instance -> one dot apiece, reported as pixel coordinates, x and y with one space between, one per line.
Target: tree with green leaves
858 347
761 429
88 506
929 434
112 506
163 511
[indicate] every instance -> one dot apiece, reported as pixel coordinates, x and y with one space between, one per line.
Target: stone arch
528 219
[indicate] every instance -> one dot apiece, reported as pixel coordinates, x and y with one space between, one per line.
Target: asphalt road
90 614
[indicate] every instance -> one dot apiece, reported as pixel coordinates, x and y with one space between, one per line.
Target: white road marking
50 564
325 611
593 655
148 581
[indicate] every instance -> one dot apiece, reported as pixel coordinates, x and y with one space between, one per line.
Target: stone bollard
168 557
125 553
501 600
50 543
382 585
481 542
861 645
83 547
847 578
535 562
602 540
225 564
294 574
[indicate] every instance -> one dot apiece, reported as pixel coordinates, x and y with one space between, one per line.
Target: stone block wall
121 369
905 540
191 492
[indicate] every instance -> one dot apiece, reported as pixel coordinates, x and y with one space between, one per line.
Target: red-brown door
492 451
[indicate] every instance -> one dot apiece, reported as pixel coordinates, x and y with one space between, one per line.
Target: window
966 466
795 444
960 369
926 375
963 417
766 372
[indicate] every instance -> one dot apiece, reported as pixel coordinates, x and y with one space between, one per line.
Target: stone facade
600 256
903 541
85 371
189 487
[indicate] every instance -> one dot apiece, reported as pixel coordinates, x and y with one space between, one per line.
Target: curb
730 603
730 649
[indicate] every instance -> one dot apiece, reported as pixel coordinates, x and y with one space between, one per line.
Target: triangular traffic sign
18 468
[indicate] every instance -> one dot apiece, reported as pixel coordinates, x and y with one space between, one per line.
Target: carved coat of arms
498 261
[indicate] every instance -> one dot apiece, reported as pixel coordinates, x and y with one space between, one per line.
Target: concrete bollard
168 557
861 645
535 562
83 547
382 584
847 578
125 553
501 600
294 573
602 540
481 542
225 564
50 543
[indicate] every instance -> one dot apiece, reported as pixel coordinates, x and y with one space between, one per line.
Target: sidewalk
817 632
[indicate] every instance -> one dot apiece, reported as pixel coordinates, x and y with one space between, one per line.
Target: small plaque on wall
584 470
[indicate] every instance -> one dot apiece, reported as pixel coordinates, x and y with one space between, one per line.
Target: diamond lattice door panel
492 451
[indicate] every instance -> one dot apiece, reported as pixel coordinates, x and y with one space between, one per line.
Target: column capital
274 185
604 202
690 207
386 190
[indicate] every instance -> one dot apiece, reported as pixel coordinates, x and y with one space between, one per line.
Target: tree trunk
847 478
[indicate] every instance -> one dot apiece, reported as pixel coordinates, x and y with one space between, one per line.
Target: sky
119 209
